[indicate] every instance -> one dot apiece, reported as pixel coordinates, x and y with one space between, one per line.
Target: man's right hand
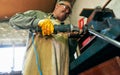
46 26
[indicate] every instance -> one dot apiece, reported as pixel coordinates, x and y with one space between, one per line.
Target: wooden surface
110 67
10 7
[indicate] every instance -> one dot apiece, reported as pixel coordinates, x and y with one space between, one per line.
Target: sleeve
26 20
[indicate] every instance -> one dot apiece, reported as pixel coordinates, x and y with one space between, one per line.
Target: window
11 58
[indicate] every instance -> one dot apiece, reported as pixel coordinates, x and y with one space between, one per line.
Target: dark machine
103 32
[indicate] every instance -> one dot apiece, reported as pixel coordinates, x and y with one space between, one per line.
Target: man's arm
26 20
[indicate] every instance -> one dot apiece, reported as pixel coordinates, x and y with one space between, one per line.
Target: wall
115 5
80 4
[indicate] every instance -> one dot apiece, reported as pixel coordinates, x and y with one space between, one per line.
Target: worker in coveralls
47 53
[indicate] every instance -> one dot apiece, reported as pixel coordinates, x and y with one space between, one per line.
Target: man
47 53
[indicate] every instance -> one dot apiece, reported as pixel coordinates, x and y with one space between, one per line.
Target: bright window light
11 58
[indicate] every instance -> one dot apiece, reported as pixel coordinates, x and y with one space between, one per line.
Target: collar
53 17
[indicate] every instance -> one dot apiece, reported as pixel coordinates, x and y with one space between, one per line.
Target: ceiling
9 8
10 36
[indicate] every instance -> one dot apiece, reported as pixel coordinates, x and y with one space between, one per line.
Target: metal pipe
106 4
109 40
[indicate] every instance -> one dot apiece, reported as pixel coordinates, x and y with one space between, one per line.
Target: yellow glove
46 26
